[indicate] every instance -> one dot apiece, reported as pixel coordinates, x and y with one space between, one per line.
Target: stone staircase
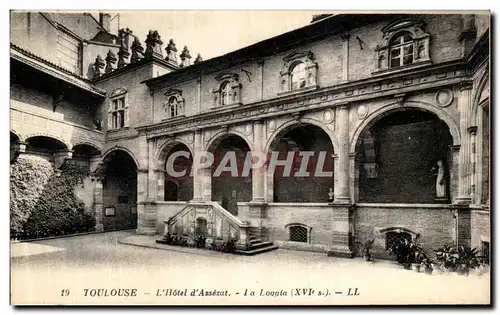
256 245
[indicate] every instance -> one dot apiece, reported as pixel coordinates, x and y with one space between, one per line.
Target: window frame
228 92
178 107
117 112
302 225
307 81
400 48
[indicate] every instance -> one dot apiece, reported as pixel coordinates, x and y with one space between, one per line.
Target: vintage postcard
201 158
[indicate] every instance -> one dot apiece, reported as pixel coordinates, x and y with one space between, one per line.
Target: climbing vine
52 206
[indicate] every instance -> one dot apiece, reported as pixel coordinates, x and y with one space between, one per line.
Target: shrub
43 204
28 178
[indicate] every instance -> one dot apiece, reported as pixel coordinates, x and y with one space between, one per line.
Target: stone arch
214 141
164 150
90 144
484 82
48 135
120 148
17 134
294 123
394 107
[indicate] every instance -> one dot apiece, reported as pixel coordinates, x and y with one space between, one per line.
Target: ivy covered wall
43 203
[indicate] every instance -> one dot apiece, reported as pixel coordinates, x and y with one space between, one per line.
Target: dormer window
404 44
174 105
229 91
298 72
401 48
298 76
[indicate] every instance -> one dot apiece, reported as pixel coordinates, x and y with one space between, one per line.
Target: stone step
254 240
252 251
259 244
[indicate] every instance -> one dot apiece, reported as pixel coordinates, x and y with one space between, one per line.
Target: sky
212 33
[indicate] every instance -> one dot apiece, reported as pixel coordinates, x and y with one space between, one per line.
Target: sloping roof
329 25
84 25
52 69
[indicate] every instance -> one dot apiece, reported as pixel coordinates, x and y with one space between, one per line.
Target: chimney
105 21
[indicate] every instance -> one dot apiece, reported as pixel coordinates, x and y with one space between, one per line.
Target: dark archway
14 147
309 184
119 191
230 187
398 156
178 179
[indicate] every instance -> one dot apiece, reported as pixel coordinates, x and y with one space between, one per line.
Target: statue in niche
439 172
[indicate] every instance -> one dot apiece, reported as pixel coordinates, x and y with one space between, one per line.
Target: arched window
401 50
226 95
174 107
298 76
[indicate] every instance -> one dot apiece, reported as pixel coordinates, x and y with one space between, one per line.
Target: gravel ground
41 272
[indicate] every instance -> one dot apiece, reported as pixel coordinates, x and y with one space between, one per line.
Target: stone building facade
386 96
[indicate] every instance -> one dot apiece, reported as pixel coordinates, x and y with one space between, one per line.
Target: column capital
455 147
465 86
472 130
344 105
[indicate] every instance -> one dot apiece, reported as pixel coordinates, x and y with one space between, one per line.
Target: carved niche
420 42
228 91
303 59
174 103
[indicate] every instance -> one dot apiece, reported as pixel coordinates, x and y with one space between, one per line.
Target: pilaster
98 206
342 189
258 173
464 185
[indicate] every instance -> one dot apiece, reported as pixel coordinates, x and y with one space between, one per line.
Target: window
298 234
229 90
298 76
118 113
226 96
404 42
174 105
401 50
395 237
298 73
118 117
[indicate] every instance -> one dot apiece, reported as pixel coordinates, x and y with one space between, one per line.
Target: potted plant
367 246
407 252
447 257
427 265
467 259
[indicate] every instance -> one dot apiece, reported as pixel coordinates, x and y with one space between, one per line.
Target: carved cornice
326 97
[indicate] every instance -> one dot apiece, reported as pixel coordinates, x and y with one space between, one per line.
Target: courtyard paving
42 271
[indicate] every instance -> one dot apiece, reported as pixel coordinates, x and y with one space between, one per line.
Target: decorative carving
444 97
271 125
420 42
153 43
98 65
137 50
362 111
110 61
198 59
171 52
124 37
328 115
293 60
185 58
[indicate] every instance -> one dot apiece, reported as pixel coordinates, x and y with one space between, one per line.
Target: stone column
342 189
146 209
197 174
206 183
258 173
151 171
454 174
464 187
99 206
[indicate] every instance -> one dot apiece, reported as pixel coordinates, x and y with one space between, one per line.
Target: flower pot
407 266
428 270
415 267
463 271
367 257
